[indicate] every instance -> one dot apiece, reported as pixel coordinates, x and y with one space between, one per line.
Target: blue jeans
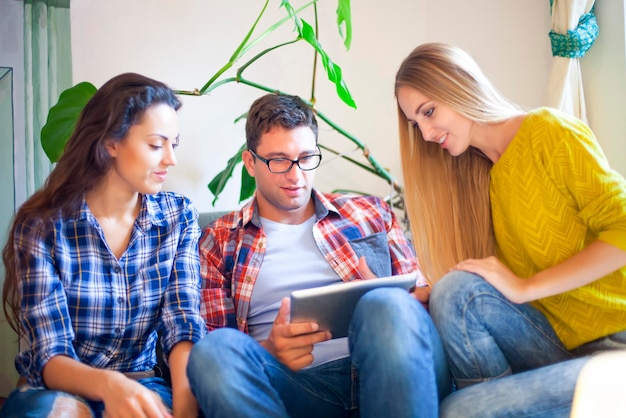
36 402
542 393
488 337
397 368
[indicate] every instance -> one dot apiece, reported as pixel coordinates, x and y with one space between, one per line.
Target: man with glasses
254 362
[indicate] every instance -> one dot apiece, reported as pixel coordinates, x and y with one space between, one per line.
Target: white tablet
332 306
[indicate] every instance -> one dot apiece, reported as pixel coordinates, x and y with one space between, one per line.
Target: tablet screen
332 306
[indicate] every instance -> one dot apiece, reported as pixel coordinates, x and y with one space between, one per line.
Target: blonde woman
518 222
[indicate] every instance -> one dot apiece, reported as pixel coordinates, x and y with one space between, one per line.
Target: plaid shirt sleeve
180 313
44 311
216 267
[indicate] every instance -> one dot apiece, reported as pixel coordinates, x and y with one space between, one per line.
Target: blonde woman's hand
499 276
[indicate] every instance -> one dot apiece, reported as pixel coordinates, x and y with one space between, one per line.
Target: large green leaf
62 119
248 185
344 16
216 186
306 32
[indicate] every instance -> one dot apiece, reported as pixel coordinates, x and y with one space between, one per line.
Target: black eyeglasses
283 165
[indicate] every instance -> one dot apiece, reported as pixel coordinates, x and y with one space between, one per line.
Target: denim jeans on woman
397 368
31 402
511 347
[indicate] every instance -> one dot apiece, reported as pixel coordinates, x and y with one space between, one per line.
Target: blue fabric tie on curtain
576 42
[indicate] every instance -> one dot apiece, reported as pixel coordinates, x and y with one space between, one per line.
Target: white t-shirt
292 261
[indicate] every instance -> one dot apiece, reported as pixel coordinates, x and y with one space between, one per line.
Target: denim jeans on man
488 337
397 369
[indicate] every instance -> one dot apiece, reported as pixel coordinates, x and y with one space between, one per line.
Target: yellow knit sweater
553 193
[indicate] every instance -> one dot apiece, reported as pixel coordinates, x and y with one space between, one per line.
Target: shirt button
239 320
117 269
261 245
248 279
118 330
120 299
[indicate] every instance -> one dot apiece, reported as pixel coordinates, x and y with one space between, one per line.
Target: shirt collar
323 206
149 214
83 211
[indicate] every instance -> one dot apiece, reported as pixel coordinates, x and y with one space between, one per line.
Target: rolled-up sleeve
44 312
181 312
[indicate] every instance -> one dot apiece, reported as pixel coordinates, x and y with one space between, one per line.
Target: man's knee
388 314
385 301
217 344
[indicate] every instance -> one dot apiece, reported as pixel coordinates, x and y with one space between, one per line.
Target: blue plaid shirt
80 301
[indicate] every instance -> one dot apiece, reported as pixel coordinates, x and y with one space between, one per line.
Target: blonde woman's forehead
411 101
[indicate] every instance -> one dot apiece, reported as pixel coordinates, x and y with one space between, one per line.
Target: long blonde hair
447 197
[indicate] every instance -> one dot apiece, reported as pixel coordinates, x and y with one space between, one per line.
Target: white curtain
48 71
574 29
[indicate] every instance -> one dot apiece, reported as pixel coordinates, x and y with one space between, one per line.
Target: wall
604 80
11 127
184 42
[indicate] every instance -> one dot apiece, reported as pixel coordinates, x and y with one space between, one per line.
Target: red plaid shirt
232 250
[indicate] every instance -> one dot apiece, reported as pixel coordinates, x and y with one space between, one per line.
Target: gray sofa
208 217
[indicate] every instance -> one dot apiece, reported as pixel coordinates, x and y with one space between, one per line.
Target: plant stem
265 51
235 56
345 157
378 169
314 75
366 152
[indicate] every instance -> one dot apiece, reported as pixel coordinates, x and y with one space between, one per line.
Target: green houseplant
62 116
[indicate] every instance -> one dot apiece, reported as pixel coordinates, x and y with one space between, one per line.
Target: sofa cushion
208 217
